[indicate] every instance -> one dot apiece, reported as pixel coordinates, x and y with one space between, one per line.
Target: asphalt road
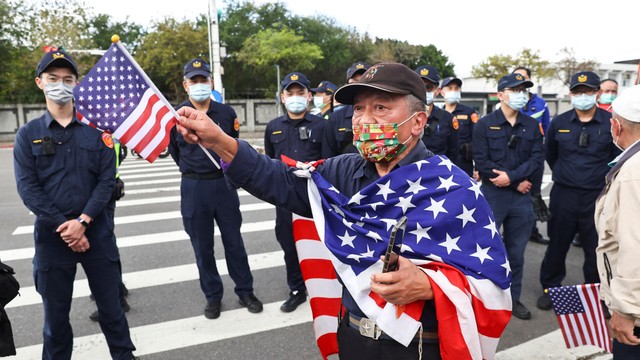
166 317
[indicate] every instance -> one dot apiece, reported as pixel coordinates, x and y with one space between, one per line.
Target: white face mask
296 104
59 92
430 97
615 141
318 101
452 97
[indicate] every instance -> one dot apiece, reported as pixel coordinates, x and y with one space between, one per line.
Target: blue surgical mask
318 101
59 92
607 98
583 102
199 92
518 100
452 97
430 97
296 104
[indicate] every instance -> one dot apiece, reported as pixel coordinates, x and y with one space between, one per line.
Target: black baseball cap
513 80
295 78
325 87
428 72
451 79
586 78
390 77
57 58
197 67
357 68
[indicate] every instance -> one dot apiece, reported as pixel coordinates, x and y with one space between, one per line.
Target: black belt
207 176
370 329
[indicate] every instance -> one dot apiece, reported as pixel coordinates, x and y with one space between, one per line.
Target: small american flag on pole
117 97
580 315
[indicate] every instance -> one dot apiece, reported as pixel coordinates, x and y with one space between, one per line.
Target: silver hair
416 105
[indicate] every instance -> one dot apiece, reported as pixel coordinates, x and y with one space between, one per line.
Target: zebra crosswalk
157 259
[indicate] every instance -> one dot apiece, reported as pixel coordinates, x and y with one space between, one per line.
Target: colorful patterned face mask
379 142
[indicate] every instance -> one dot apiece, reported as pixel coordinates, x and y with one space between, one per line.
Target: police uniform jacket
276 184
515 149
190 158
467 118
338 133
580 164
441 134
299 139
62 173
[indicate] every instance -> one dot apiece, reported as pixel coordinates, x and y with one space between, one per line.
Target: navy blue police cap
586 78
451 79
325 87
196 67
513 80
357 68
295 78
56 58
429 73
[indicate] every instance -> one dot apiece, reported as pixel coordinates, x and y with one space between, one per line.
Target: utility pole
214 48
279 89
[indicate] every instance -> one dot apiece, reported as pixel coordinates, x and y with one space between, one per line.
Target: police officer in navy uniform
441 133
65 173
508 150
579 147
323 99
298 136
338 134
466 118
206 196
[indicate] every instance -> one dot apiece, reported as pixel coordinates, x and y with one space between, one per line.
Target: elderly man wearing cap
466 117
578 149
616 216
441 132
66 174
323 99
389 102
298 136
206 197
507 149
338 135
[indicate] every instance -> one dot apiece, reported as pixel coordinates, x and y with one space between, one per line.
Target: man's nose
365 117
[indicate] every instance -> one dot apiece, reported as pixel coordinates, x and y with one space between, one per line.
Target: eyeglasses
517 90
587 91
431 87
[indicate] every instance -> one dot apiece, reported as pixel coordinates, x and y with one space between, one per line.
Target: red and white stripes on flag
325 291
580 315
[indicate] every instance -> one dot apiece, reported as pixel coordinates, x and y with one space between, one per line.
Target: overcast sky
467 31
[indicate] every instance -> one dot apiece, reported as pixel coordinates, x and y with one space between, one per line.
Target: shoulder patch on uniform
474 118
495 127
107 140
236 124
462 116
455 123
541 129
564 130
276 132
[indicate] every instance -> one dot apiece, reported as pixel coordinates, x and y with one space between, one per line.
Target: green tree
166 48
496 66
103 27
570 65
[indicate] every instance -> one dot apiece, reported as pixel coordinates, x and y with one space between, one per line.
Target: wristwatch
82 221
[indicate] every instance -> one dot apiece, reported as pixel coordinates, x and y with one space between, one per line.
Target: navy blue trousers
204 201
626 352
514 212
571 212
54 282
284 235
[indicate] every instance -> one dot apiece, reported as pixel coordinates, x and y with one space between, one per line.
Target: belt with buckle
368 328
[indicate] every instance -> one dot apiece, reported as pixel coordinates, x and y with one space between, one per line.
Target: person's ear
418 123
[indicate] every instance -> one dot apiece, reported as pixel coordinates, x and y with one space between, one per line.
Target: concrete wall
254 115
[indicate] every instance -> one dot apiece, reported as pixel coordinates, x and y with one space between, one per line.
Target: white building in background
480 93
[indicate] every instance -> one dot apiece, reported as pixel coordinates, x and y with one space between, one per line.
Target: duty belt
370 329
206 176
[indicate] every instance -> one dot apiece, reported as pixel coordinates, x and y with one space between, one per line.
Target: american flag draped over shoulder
451 234
580 315
117 97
